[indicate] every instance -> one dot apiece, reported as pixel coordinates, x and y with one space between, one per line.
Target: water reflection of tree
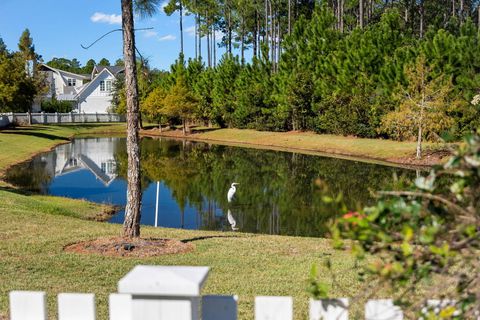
278 190
33 176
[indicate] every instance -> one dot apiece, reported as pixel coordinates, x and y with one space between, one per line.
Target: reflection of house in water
95 155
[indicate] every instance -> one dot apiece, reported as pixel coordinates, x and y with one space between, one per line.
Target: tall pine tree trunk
209 57
342 4
196 39
181 27
290 16
196 29
478 11
229 30
255 31
131 225
199 39
272 34
265 39
242 40
360 13
421 18
420 120
214 48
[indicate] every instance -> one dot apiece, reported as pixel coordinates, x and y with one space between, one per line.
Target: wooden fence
157 292
57 118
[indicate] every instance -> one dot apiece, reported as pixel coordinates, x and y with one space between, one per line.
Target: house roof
81 76
82 89
114 70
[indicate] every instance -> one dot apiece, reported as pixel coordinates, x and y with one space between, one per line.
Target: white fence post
28 305
120 306
328 309
269 308
382 309
160 292
219 307
76 306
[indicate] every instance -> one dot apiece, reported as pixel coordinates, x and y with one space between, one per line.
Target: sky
60 27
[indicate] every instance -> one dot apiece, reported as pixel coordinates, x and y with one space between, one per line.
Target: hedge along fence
57 118
164 293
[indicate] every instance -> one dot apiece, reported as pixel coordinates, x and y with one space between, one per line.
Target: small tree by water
423 108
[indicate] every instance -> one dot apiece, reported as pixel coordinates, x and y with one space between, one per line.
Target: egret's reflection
231 220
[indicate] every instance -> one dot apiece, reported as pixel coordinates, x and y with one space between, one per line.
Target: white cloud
149 33
106 18
168 37
219 35
190 31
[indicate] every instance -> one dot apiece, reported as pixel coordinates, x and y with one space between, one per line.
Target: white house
90 93
63 84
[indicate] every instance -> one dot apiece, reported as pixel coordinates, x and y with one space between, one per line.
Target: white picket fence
157 292
57 118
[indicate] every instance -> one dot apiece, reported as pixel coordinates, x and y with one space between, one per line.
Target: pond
278 192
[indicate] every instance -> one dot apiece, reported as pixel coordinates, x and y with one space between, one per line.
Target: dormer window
71 82
105 85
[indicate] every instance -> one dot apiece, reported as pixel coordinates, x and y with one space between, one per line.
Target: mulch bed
429 158
124 247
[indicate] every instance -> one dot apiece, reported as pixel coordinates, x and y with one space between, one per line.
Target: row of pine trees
341 67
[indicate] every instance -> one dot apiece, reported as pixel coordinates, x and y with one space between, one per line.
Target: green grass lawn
35 229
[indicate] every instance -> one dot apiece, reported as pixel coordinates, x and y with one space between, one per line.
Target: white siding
92 99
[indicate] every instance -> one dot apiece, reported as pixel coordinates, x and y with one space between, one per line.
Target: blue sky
59 27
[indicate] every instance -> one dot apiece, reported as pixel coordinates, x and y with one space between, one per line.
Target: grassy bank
376 150
35 229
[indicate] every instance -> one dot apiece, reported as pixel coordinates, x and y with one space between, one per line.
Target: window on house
102 85
71 82
108 84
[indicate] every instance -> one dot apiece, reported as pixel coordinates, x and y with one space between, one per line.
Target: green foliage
430 230
55 105
104 62
424 104
17 89
66 65
223 91
179 101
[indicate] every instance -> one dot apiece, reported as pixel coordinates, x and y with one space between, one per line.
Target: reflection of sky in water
83 184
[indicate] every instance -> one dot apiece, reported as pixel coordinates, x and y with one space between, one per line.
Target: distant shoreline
384 152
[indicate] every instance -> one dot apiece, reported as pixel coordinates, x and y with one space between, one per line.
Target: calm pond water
278 192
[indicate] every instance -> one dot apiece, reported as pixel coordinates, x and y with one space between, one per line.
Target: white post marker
156 204
160 292
273 308
76 306
28 305
382 309
326 309
120 306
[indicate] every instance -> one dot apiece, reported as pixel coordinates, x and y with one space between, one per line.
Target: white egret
231 192
231 220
